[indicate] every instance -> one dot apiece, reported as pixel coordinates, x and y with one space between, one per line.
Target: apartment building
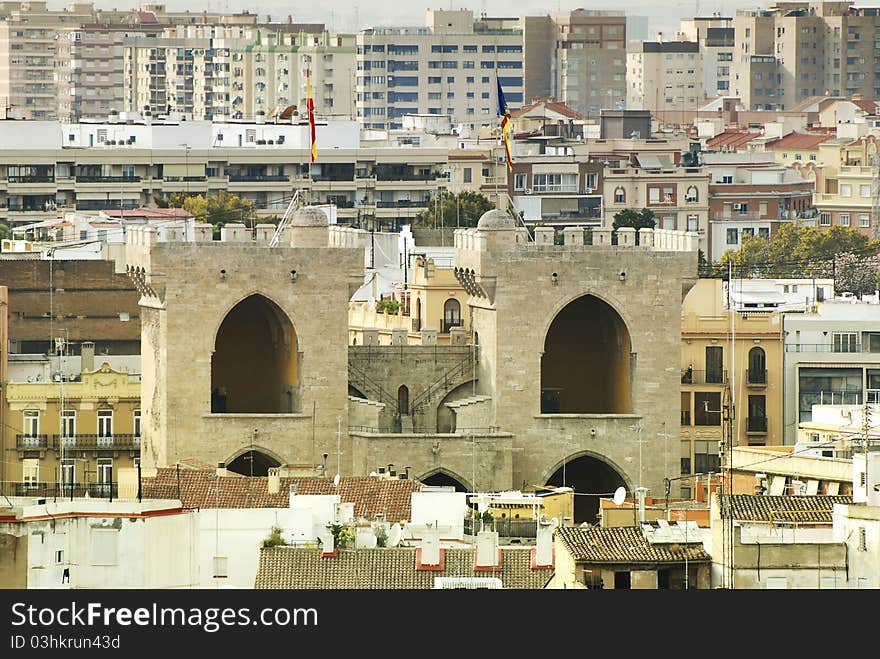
71 432
664 75
448 67
832 357
795 50
751 199
715 35
678 195
49 168
214 71
846 185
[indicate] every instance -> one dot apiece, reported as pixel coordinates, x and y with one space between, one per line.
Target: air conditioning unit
528 191
588 190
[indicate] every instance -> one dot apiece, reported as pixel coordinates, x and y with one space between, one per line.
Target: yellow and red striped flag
311 108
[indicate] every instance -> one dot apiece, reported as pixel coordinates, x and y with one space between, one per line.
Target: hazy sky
341 14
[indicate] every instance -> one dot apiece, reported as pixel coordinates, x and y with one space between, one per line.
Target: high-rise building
449 67
788 54
715 34
578 58
664 75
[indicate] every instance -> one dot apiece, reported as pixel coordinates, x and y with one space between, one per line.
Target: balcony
30 179
756 425
31 442
756 377
258 178
51 490
690 376
97 442
108 179
402 203
823 347
449 324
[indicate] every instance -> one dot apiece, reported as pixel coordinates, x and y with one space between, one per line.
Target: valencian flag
504 114
311 108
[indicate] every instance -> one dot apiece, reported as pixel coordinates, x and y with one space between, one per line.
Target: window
31 423
105 426
845 341
864 220
693 223
137 423
519 181
843 219
619 195
68 427
706 458
467 175
733 236
691 194
845 190
685 458
654 195
30 472
824 219
864 190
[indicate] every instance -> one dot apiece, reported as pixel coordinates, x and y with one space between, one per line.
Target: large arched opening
590 478
253 463
443 478
585 368
254 365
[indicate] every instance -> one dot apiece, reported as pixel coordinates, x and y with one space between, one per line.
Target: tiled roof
553 106
201 488
800 141
625 544
732 138
385 569
868 106
766 508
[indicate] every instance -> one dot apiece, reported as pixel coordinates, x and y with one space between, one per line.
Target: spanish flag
504 114
311 107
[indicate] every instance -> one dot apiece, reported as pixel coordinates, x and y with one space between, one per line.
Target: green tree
215 209
628 217
455 210
5 232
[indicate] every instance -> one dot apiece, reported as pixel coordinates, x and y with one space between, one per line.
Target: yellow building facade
71 438
432 300
726 358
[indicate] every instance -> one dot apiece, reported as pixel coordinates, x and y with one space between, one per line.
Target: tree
461 210
628 217
841 253
216 210
5 232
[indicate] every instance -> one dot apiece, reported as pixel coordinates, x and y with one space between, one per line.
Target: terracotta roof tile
625 544
732 138
385 569
800 141
553 106
767 508
202 488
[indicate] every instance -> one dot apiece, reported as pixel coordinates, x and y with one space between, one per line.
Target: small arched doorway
590 478
403 399
757 366
585 368
451 314
252 463
254 364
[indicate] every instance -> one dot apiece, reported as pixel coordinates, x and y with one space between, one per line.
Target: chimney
291 494
640 494
87 357
430 547
488 555
221 469
274 482
544 544
328 547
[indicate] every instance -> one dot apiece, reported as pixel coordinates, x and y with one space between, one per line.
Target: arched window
451 314
403 399
691 194
619 195
757 366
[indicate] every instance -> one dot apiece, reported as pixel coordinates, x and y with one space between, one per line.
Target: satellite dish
336 480
394 535
619 496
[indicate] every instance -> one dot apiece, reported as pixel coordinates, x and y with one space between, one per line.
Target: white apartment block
664 75
715 34
448 67
212 71
48 169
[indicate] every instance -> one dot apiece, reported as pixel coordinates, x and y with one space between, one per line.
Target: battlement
657 240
